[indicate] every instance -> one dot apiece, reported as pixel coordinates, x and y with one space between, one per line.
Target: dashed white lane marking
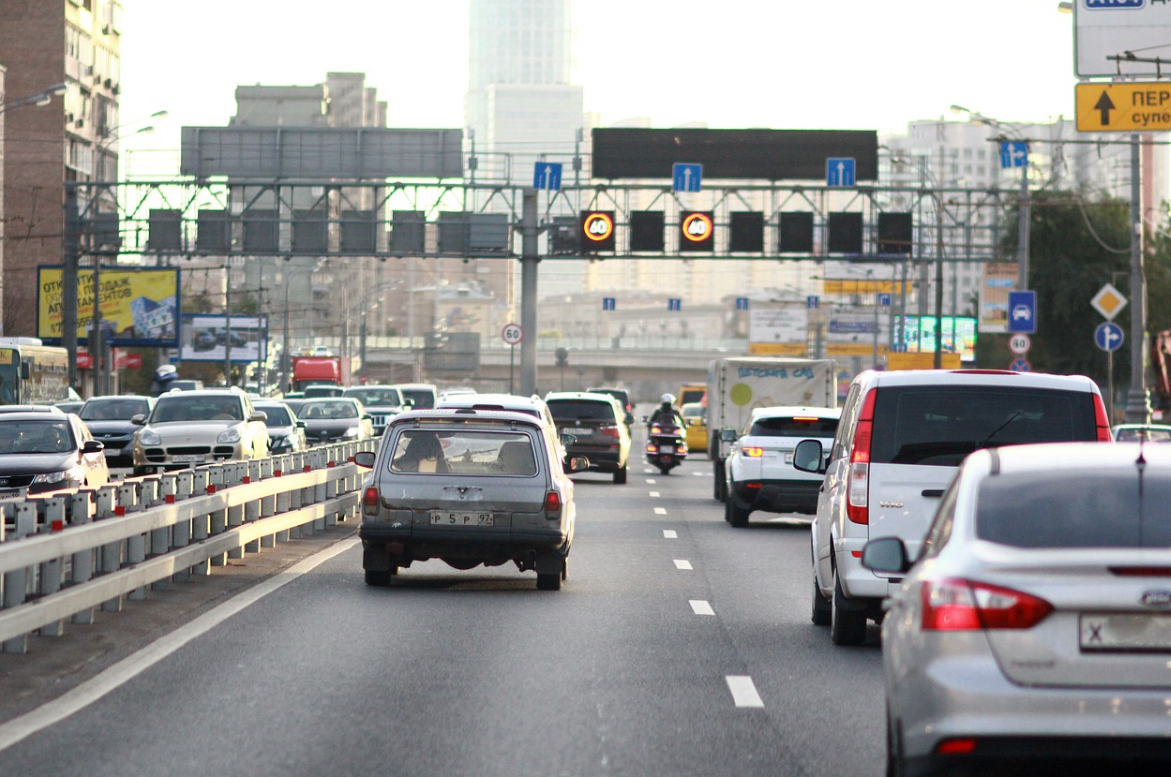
650 481
743 691
701 474
648 471
654 493
682 563
660 511
700 607
670 534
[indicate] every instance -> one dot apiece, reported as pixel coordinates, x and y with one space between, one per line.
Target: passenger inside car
516 458
422 453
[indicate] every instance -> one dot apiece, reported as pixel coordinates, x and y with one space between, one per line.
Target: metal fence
65 554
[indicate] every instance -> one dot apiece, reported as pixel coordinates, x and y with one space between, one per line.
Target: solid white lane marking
654 493
650 481
670 534
128 668
700 607
660 511
682 564
743 691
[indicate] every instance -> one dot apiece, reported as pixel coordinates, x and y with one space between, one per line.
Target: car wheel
565 569
549 582
620 476
847 626
380 579
822 607
894 756
733 513
721 488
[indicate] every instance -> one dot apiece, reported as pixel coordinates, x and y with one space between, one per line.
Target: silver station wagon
467 487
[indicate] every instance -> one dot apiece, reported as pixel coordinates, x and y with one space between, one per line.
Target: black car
48 452
335 419
109 420
286 433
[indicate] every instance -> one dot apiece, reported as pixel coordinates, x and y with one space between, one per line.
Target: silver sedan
1034 631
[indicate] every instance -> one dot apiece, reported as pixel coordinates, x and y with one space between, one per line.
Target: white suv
901 436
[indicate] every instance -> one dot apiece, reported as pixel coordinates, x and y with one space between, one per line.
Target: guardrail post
282 506
252 508
218 518
234 473
136 545
161 539
51 570
181 532
267 510
82 566
200 524
111 554
16 582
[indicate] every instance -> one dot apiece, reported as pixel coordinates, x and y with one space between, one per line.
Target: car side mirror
568 439
886 556
727 435
579 464
93 446
628 419
300 424
138 420
258 415
807 457
365 459
367 417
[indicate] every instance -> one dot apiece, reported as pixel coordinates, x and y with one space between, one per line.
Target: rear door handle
936 492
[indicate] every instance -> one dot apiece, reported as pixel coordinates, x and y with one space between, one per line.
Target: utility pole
72 244
1138 408
228 322
528 295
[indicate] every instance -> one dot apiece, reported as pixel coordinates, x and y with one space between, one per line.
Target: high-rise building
75 138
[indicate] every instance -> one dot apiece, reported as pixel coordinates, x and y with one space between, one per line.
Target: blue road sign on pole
812 302
674 304
1014 153
686 177
547 175
839 171
884 299
1022 312
742 303
609 303
1108 336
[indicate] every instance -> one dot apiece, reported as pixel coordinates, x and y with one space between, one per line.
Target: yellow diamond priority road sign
1124 107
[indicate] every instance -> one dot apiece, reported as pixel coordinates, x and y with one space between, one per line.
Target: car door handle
936 492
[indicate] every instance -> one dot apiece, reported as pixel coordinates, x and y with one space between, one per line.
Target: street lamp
39 99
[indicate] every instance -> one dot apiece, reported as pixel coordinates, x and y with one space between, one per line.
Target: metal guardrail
70 553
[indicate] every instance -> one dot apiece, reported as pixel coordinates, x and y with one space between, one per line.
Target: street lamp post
39 99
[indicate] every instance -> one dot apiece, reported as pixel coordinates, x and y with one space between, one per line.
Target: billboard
959 335
205 337
999 279
139 307
1118 28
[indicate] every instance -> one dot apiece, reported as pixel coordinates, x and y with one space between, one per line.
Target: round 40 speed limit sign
512 334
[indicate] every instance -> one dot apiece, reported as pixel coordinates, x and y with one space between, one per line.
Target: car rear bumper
601 459
779 496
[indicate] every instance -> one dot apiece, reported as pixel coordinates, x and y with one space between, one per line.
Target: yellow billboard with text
138 307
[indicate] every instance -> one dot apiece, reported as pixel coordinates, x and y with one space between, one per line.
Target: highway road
678 646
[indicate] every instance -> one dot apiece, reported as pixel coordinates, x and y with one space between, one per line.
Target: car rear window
424 400
1134 434
940 425
1060 509
463 452
794 427
374 396
580 410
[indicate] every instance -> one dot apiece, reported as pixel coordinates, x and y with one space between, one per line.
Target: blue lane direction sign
1014 153
884 299
742 303
686 177
812 302
674 304
1108 336
839 171
1022 312
609 303
547 175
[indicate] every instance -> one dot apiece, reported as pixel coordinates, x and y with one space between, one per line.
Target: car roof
583 395
781 411
1142 426
30 409
35 415
463 415
1062 459
206 392
976 378
119 397
471 400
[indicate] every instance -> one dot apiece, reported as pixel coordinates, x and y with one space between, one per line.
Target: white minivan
901 436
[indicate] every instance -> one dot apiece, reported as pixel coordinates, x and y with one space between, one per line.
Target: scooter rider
666 413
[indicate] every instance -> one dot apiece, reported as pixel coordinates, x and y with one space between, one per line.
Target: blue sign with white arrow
547 175
884 299
609 303
811 302
1022 312
742 303
686 177
1014 153
1108 336
839 171
674 304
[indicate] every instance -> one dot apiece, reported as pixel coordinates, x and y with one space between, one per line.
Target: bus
32 373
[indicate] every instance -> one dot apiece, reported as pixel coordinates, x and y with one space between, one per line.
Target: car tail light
652 448
956 747
610 431
753 453
552 506
752 485
370 501
858 484
965 605
1101 419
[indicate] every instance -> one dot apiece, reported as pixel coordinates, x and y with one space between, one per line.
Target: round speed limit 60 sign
1019 344
512 334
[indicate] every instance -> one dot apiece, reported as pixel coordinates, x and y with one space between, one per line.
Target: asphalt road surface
678 646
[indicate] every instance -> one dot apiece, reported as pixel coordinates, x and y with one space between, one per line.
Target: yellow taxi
695 417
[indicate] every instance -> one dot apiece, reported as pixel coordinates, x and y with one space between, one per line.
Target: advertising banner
205 337
139 307
778 330
999 279
959 335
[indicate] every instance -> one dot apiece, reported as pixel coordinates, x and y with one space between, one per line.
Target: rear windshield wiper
1000 428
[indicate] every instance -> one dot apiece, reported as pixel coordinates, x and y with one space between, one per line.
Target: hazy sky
784 64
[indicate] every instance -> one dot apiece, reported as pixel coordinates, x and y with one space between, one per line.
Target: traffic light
646 230
796 233
562 357
696 231
747 232
596 231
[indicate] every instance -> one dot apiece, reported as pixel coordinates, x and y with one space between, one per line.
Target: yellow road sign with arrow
1124 107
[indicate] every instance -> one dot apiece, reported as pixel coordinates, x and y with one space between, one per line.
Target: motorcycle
666 447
